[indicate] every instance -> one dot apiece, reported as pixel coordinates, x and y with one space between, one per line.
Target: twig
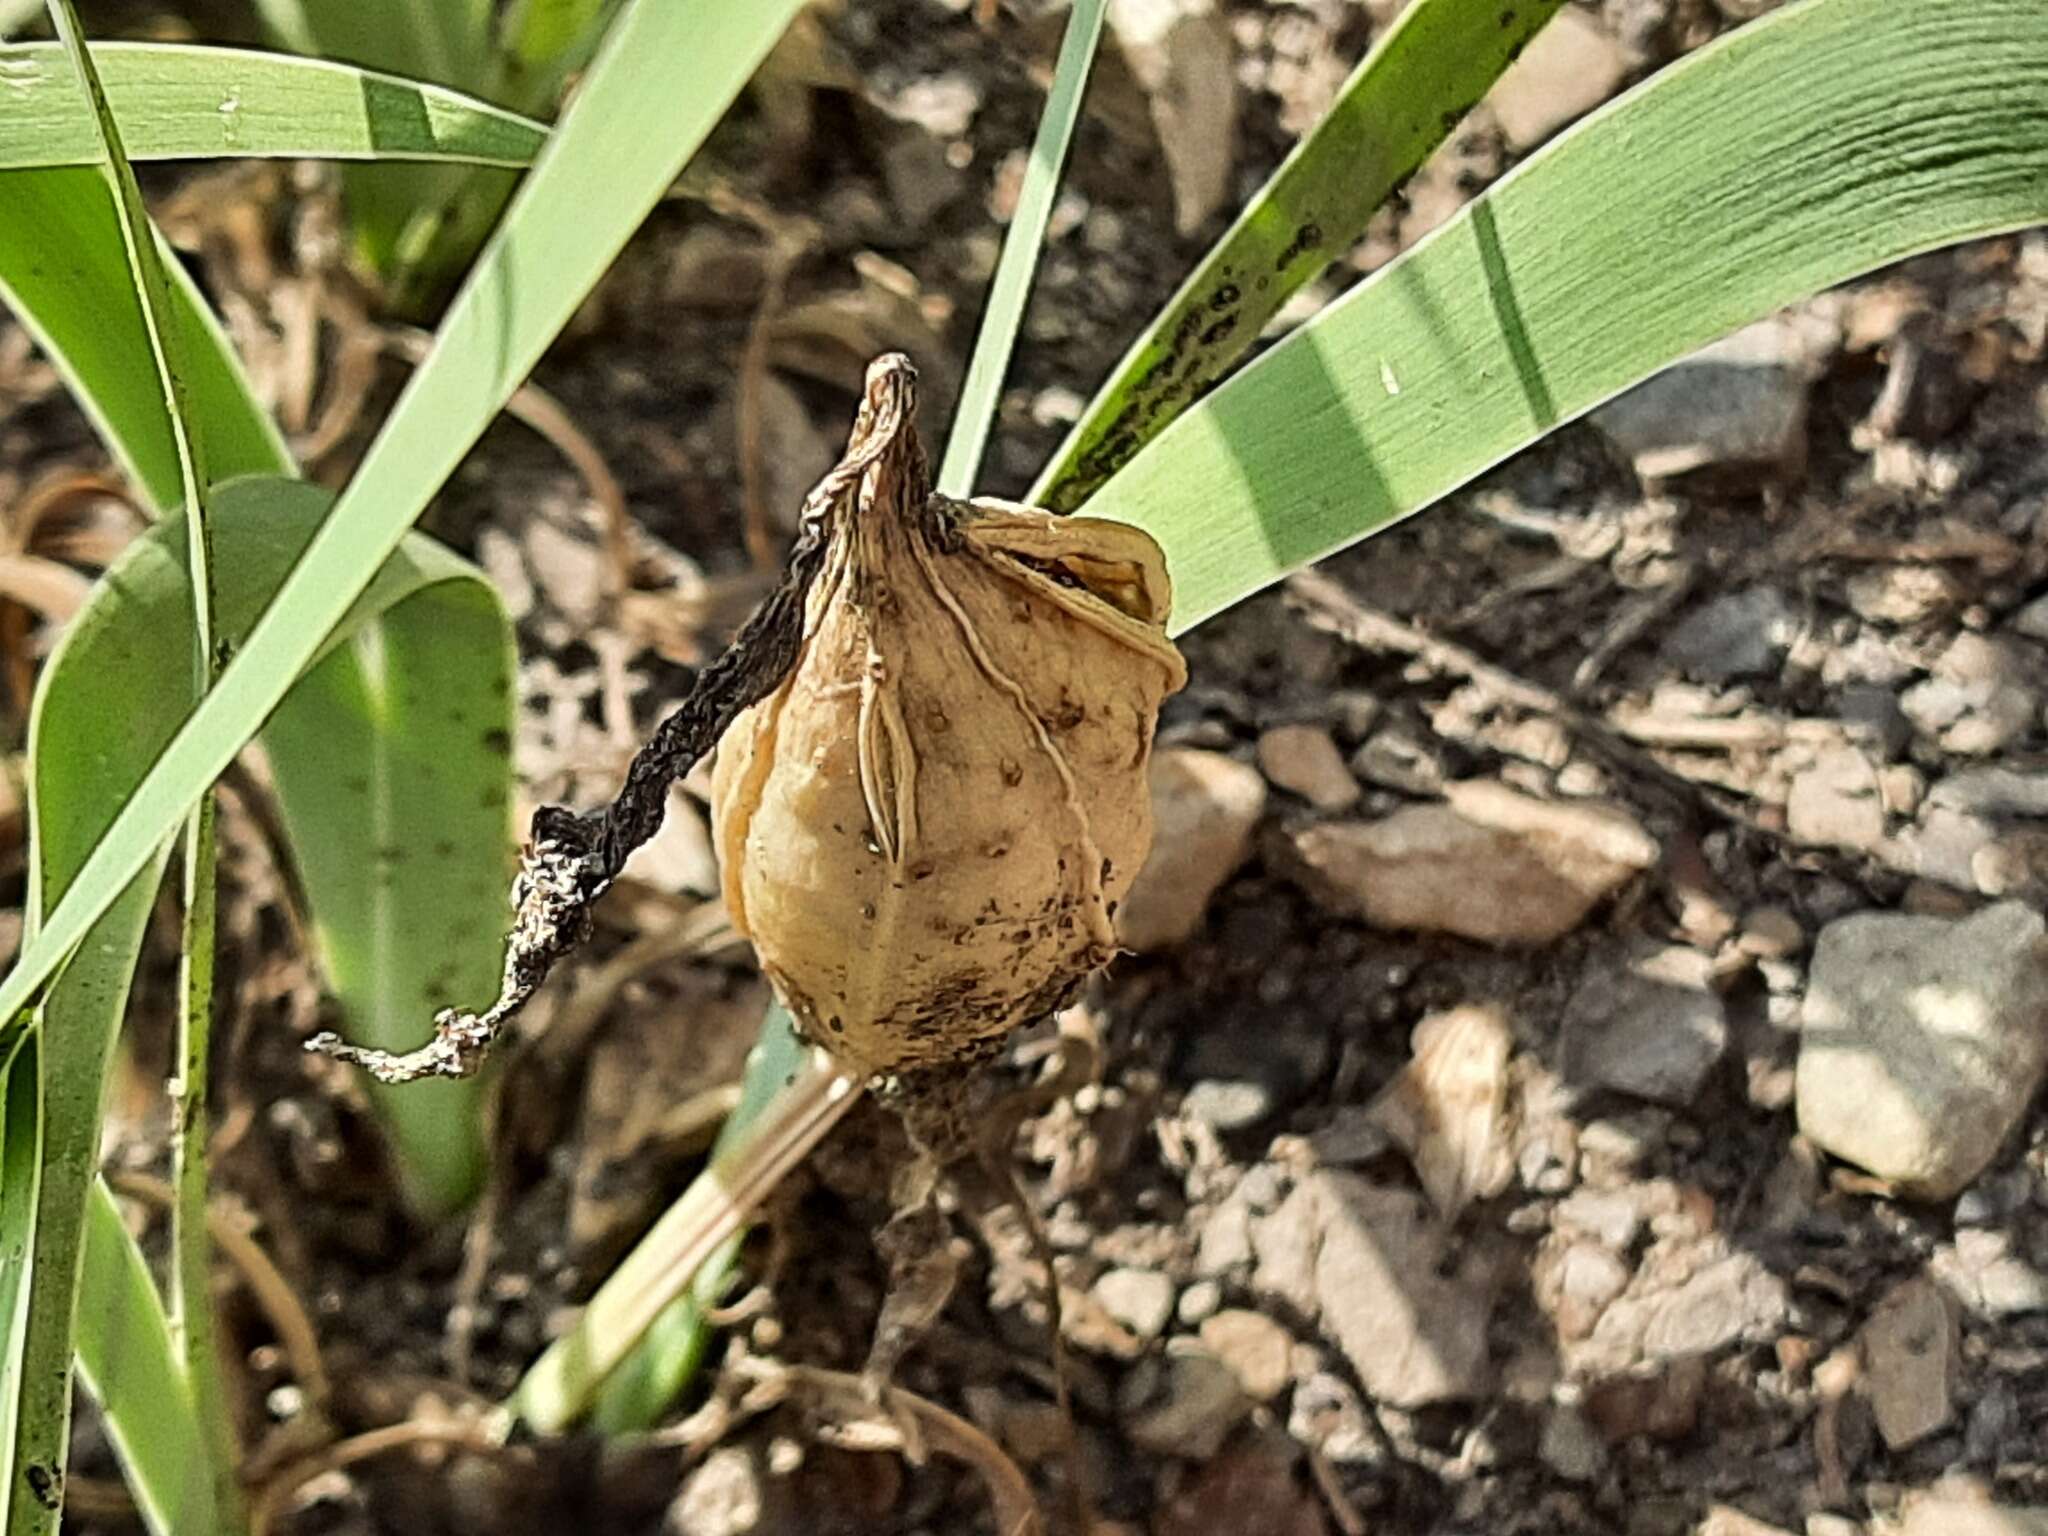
573 859
918 1419
1327 606
343 1453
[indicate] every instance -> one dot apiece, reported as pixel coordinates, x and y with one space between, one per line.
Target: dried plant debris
933 792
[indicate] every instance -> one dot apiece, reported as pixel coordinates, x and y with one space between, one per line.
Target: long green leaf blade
1401 102
1828 139
997 336
127 1361
629 130
81 1018
185 101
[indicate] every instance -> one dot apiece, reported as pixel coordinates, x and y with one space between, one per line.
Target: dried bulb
926 829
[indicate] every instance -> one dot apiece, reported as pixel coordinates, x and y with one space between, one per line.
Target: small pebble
1257 1350
1140 1299
1771 933
1198 1302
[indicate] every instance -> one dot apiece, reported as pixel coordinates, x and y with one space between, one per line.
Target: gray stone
1645 1023
1396 759
1904 594
1922 1042
2032 620
1326 1413
1414 1333
1196 1407
1229 1104
1572 1447
1140 1299
1492 864
1226 1239
1723 1521
1835 803
1613 1217
1198 1303
1983 1273
1730 1299
723 1497
1284 1243
1876 711
1720 1300
1911 1353
1741 634
1204 806
1741 401
1943 1514
1945 844
1992 792
1258 1351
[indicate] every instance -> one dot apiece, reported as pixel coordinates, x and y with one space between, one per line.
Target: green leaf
1401 102
546 41
415 226
191 1299
393 767
1826 140
997 335
129 1364
659 83
87 317
80 1020
107 701
183 101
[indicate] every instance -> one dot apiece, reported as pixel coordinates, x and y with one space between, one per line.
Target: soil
1234 1064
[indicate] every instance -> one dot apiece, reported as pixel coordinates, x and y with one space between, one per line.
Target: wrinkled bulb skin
926 829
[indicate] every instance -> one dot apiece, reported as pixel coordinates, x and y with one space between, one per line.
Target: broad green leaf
1828 139
107 701
393 763
1401 102
80 1019
85 313
997 334
659 83
184 101
128 1363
